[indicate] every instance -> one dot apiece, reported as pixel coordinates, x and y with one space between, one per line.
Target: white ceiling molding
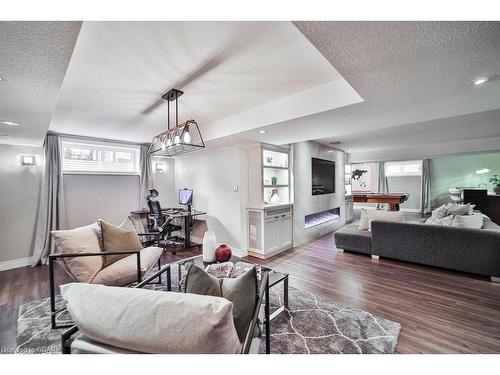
331 95
119 70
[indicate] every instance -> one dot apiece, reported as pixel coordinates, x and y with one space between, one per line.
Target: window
403 168
99 158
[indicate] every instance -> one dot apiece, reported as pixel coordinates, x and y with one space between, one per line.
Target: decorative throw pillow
241 291
115 239
151 321
440 212
394 216
445 221
85 239
459 209
468 221
364 220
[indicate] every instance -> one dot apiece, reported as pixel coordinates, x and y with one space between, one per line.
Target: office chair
158 222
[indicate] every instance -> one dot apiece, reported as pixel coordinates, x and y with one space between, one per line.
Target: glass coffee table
275 278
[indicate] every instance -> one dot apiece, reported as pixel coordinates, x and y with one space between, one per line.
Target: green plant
274 180
495 180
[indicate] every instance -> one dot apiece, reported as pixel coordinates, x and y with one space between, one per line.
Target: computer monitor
186 197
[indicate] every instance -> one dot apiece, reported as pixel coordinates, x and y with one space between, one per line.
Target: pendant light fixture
176 140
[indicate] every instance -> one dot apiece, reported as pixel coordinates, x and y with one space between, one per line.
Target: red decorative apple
222 253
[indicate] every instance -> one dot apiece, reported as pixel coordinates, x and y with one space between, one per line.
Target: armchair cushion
117 239
124 271
151 321
80 240
241 291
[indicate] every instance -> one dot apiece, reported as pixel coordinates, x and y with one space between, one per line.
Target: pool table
393 199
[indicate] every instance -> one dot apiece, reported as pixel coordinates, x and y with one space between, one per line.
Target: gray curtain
382 180
146 177
51 210
425 198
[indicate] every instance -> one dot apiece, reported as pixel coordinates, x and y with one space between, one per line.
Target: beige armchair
81 253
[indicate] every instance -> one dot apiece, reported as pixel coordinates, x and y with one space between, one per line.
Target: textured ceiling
34 58
406 72
119 71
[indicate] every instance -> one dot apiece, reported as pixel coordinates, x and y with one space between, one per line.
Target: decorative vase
275 198
222 254
496 189
209 246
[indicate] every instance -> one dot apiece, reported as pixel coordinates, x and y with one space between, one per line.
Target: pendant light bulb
169 142
187 136
177 139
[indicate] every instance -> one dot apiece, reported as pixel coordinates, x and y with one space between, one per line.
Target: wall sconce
29 160
159 167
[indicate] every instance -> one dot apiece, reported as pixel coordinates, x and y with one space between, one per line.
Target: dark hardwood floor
440 311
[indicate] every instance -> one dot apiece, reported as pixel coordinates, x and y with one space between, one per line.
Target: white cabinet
269 225
269 230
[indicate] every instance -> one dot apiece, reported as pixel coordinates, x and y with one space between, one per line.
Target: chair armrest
101 253
149 234
262 293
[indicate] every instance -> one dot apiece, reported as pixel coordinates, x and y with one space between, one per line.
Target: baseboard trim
15 263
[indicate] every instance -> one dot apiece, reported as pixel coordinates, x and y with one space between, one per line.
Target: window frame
402 164
104 146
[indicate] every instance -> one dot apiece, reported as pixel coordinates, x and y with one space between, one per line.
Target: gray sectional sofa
469 250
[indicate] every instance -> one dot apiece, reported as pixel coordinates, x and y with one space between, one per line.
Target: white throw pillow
393 216
440 212
364 220
468 221
460 209
445 221
85 239
152 321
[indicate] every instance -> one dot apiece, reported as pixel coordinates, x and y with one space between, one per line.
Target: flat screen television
323 176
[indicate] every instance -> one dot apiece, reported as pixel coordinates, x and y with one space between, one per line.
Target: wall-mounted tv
323 176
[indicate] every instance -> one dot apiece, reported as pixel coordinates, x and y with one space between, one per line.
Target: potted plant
274 180
495 180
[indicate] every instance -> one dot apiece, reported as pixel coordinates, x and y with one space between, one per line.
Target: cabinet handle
276 217
283 215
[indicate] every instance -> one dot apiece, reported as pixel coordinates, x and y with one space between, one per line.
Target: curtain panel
146 177
51 210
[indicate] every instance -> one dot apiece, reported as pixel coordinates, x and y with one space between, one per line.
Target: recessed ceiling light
480 81
9 123
262 131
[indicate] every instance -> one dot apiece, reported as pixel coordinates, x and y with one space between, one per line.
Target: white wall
304 202
89 197
164 181
212 174
19 191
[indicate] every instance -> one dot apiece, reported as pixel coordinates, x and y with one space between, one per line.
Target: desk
179 214
393 199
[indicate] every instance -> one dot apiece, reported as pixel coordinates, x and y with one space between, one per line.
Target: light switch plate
236 188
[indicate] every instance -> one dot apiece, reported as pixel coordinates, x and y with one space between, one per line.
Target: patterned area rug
311 325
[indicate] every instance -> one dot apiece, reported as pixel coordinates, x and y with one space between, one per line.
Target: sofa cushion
350 237
474 221
151 321
241 291
124 271
84 239
115 239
